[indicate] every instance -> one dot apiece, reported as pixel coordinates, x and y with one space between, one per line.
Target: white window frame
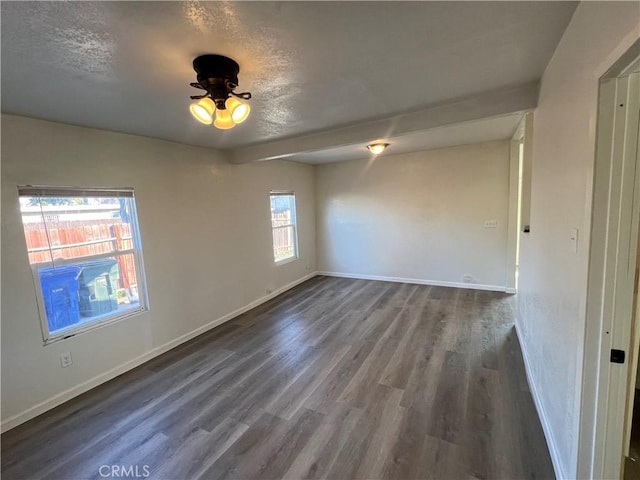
294 225
136 251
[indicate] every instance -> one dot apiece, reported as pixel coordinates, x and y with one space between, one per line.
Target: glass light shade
239 110
377 148
203 110
223 120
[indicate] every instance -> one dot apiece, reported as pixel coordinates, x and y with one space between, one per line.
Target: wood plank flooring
336 378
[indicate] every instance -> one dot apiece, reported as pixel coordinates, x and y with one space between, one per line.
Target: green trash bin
98 287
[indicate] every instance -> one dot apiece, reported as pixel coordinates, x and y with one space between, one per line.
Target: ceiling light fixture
377 148
220 105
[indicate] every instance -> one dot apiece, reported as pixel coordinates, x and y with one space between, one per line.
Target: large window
85 254
283 224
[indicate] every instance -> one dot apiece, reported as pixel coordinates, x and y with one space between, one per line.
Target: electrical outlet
65 359
490 223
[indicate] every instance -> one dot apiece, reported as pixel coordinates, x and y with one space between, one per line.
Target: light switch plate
573 237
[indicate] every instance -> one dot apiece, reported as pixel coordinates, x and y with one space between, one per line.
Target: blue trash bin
60 295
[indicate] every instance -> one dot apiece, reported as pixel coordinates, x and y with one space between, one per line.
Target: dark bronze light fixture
220 105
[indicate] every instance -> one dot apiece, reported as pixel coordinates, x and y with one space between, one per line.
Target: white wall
417 216
206 234
553 277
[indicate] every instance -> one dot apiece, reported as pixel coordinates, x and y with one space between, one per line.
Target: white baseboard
66 395
546 428
474 286
510 290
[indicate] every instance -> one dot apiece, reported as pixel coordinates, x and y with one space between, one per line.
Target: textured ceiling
311 66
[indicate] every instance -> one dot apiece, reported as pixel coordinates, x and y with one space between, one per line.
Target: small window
85 254
283 223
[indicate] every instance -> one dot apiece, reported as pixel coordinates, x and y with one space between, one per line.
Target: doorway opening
519 214
632 424
519 196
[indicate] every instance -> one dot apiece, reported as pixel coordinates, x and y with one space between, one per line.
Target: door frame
614 229
519 194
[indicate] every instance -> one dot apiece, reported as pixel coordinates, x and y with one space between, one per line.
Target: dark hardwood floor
336 378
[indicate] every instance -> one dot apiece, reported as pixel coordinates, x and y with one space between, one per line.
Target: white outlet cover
65 359
490 224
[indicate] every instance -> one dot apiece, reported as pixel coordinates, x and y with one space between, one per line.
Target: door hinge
617 356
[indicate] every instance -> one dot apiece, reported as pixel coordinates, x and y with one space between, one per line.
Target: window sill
72 332
287 260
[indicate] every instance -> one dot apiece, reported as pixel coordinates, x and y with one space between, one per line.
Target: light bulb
377 148
203 110
223 120
239 110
